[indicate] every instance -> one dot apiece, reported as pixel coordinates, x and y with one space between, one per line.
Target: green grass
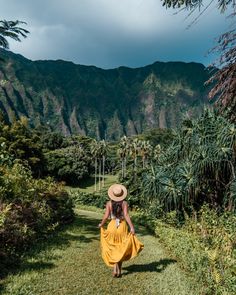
87 185
70 263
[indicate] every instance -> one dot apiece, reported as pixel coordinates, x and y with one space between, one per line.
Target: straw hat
117 192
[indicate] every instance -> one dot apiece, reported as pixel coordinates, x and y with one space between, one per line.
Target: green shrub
16 183
205 246
29 209
203 264
68 164
217 233
21 143
187 250
92 199
144 219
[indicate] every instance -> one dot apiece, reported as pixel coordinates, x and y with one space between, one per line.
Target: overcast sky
111 33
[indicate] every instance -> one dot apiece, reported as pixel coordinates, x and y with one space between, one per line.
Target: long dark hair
116 208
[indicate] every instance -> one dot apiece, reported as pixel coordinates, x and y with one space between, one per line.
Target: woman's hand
132 230
105 217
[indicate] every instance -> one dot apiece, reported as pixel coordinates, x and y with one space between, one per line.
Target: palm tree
94 149
134 152
103 152
126 147
157 151
10 29
123 153
145 151
99 167
99 153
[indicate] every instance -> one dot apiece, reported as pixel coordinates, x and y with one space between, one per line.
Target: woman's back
117 209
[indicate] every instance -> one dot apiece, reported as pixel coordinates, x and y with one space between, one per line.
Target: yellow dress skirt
117 244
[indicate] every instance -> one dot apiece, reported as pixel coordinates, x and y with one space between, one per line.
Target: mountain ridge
102 103
9 52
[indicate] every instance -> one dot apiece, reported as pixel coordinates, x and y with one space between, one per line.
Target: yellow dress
117 244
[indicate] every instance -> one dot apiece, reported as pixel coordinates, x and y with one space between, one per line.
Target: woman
117 244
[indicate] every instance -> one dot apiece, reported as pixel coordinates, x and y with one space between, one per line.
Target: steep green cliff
100 103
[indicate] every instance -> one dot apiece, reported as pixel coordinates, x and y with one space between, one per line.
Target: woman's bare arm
106 215
127 217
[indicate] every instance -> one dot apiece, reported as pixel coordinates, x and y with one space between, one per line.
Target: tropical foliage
155 136
198 168
225 78
197 4
69 164
51 141
23 144
135 153
10 29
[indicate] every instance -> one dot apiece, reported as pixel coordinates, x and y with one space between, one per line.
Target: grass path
87 185
70 264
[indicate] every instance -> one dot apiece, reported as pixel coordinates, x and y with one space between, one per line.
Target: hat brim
115 198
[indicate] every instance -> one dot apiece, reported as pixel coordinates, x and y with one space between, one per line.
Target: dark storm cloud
110 33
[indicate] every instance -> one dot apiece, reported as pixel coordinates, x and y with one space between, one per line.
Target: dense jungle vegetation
181 183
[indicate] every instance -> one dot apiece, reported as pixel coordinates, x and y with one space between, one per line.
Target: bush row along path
70 264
